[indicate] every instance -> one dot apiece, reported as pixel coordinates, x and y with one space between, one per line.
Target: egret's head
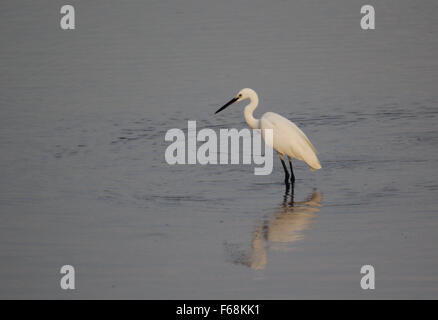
242 95
246 93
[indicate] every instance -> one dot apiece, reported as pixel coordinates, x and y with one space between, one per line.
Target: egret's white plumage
288 139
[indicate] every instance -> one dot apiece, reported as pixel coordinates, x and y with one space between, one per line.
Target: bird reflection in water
283 227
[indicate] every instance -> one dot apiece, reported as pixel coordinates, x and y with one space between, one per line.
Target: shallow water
84 181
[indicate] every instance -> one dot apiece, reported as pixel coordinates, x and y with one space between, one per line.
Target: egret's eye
239 96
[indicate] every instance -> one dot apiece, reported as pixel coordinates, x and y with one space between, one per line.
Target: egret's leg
292 177
292 200
286 195
289 190
286 179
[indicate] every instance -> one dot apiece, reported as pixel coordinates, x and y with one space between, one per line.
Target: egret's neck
248 113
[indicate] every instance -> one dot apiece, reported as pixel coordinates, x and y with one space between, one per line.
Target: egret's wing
289 139
303 135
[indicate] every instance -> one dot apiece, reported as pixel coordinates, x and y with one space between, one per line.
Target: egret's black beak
227 104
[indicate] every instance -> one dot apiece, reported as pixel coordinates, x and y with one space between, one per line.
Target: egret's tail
315 166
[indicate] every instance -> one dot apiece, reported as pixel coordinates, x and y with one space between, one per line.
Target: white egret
288 139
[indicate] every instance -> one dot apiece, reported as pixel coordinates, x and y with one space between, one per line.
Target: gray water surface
83 115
